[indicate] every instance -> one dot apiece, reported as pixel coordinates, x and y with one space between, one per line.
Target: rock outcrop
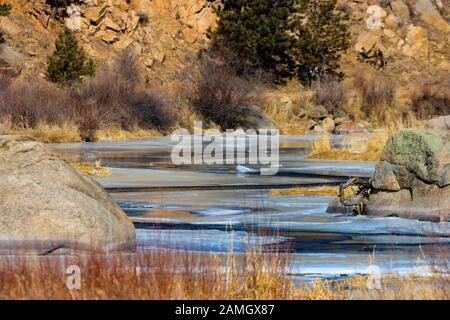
45 205
412 179
10 61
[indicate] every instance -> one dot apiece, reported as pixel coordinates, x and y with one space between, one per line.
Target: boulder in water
412 179
45 205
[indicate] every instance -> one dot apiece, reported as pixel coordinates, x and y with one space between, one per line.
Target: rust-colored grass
165 274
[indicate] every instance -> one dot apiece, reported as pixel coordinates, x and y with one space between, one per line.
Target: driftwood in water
354 201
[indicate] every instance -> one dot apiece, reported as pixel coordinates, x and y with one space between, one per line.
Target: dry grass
150 275
307 191
377 92
322 144
92 169
290 119
187 275
116 133
46 133
321 149
395 287
287 122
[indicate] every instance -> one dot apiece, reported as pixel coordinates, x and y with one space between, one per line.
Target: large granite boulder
412 179
46 206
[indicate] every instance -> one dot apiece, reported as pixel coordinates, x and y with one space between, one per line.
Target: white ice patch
246 170
221 211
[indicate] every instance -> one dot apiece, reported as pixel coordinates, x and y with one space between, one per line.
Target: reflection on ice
221 211
204 240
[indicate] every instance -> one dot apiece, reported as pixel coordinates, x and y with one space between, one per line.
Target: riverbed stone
412 179
45 205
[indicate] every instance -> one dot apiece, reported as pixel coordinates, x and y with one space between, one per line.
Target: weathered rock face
439 123
10 61
417 44
412 179
45 205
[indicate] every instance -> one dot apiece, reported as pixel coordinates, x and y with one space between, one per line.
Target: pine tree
321 40
258 31
5 9
286 37
68 62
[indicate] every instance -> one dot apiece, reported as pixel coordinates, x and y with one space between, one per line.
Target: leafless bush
114 96
432 97
217 94
150 111
377 92
26 104
332 94
4 82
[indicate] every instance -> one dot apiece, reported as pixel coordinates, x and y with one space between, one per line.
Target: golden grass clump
48 133
321 149
307 191
289 118
92 169
115 133
322 144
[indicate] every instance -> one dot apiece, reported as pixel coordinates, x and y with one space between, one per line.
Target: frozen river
220 208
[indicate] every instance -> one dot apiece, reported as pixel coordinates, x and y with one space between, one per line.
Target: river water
220 208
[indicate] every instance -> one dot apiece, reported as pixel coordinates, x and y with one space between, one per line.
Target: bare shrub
4 82
432 97
377 92
150 111
332 94
114 97
217 94
27 105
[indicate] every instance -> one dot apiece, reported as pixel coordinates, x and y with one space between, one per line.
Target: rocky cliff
162 32
412 35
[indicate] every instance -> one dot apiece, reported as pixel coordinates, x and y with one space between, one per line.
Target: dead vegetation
185 275
431 97
114 99
320 191
92 170
377 93
332 94
322 149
